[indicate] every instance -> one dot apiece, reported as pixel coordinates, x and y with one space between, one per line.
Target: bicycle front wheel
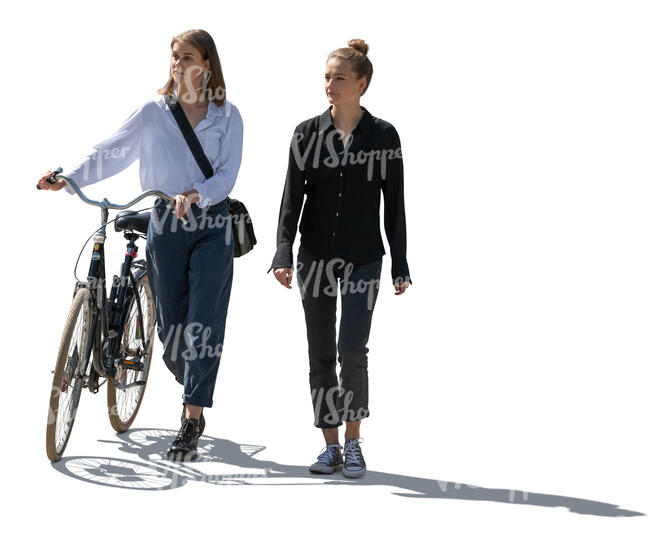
125 393
68 375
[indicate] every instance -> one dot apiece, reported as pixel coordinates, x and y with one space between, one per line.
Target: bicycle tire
122 410
68 376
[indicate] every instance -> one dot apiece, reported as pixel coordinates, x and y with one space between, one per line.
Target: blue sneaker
354 465
328 461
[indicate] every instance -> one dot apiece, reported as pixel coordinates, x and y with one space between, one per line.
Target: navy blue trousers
319 281
190 272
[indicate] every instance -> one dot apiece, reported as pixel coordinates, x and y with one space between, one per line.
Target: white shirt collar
213 109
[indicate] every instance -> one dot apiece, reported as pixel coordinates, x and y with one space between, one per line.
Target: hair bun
359 45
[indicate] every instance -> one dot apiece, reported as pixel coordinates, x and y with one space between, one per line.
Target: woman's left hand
401 287
183 201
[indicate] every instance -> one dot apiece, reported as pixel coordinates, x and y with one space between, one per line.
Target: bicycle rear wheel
68 375
126 392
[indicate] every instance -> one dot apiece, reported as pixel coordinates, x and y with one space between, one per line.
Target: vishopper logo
338 403
195 336
334 158
204 220
445 487
179 479
192 95
312 273
95 161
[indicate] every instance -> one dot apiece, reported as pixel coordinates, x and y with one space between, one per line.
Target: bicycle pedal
93 382
128 364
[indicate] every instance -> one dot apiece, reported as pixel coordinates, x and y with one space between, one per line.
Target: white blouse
152 135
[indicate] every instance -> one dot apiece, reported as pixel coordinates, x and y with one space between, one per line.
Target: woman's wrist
192 195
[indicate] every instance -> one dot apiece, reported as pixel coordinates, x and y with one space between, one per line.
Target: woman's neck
191 97
346 117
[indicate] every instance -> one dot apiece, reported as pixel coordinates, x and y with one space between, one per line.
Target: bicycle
110 338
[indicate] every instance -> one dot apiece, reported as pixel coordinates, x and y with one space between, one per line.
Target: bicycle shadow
153 471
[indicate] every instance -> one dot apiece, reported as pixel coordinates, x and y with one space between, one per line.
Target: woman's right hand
44 184
283 275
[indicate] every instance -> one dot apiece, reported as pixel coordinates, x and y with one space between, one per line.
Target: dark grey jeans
319 281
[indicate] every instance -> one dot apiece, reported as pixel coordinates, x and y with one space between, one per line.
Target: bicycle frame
107 315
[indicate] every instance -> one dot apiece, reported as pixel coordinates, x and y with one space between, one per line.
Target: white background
517 361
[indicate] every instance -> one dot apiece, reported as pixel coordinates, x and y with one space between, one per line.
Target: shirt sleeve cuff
69 189
283 257
400 270
204 200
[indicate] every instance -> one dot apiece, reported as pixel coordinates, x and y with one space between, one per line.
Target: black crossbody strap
189 135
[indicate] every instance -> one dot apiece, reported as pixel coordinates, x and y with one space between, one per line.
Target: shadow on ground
152 471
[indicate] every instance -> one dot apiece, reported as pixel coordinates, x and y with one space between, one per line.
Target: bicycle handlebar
105 203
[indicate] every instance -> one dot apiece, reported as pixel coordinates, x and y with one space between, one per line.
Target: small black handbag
241 220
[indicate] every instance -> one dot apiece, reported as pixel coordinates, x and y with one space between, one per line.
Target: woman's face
186 63
341 83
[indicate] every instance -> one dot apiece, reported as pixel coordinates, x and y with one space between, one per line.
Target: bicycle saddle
130 220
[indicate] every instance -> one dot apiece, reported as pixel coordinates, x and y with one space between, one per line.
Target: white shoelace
327 456
352 452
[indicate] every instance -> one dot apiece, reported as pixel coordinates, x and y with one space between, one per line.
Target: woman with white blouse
190 266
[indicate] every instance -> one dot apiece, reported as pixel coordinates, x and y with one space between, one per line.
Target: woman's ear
363 84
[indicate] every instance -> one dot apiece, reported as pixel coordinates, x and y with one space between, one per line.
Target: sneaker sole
354 474
325 470
180 457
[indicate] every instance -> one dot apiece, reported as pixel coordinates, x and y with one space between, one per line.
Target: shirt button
341 173
339 194
337 214
333 233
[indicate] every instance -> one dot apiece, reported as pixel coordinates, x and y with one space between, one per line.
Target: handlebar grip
52 179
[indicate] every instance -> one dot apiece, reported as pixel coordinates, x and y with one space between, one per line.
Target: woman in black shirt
342 160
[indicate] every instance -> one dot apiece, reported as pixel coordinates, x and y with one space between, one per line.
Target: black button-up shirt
342 184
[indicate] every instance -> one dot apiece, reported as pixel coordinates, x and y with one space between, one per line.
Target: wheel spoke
127 400
67 401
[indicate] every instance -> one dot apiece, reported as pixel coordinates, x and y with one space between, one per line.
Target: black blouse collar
364 125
